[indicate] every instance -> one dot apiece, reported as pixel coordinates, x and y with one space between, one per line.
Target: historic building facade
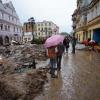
86 20
45 29
10 26
27 32
41 30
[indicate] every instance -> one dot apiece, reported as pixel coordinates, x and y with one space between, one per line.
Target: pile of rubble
27 84
28 51
24 86
23 55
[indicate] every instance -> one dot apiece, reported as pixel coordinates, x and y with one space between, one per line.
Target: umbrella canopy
54 40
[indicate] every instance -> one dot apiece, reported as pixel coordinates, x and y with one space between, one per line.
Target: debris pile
7 66
24 55
24 86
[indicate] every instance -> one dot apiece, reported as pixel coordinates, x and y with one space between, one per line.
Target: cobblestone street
79 78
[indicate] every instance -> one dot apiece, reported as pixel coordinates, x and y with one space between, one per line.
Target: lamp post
32 23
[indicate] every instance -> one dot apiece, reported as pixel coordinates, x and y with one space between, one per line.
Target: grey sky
58 11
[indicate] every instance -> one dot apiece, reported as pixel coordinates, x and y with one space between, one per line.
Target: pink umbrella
54 40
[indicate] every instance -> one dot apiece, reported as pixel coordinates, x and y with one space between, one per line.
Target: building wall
87 18
41 29
27 38
45 29
79 36
93 12
10 25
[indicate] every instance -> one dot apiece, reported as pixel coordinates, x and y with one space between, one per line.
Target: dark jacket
66 42
74 40
60 49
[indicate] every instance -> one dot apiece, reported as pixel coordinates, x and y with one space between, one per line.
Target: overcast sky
58 11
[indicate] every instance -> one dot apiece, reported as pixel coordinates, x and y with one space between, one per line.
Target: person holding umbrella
51 45
52 54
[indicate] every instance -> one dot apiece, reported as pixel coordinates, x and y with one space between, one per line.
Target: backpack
51 52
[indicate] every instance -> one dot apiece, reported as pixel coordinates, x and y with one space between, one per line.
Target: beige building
41 30
27 32
10 26
45 29
86 20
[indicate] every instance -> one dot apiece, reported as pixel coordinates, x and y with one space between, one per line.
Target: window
26 27
96 12
16 20
5 27
45 24
12 19
25 39
41 24
9 17
39 29
29 38
20 38
17 29
38 24
2 15
8 27
1 26
14 28
12 11
49 24
20 30
49 28
10 38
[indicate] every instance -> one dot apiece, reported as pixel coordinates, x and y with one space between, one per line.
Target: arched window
6 40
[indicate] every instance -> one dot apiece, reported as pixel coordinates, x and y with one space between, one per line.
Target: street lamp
32 23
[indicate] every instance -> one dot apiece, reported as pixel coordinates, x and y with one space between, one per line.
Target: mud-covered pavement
79 78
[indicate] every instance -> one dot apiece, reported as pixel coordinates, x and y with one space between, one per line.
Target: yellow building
86 20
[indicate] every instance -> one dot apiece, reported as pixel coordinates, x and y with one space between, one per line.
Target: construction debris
19 78
24 86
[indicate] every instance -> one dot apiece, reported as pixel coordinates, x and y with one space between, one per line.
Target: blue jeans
53 66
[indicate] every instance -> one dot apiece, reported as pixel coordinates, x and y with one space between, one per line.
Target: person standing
52 54
66 44
73 41
60 50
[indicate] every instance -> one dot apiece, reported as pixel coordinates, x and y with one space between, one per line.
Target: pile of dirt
22 55
7 66
27 52
21 85
24 86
